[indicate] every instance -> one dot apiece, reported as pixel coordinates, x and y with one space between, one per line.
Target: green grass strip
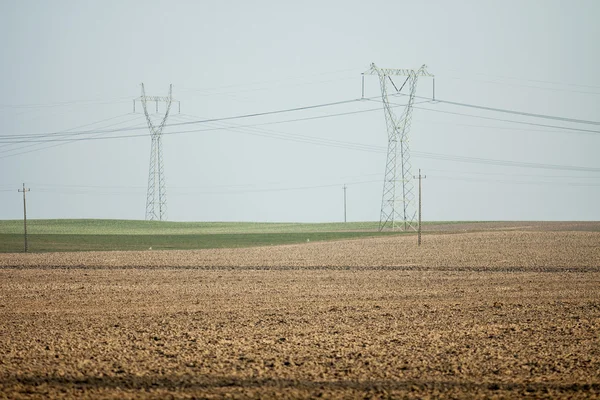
39 243
131 227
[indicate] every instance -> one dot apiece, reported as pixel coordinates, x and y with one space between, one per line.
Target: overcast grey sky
77 65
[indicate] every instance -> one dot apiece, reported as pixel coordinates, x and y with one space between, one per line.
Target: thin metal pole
419 207
25 214
345 203
25 217
419 229
363 87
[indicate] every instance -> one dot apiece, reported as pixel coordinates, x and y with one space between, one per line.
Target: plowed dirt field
504 311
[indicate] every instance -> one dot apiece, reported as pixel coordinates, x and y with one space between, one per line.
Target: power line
309 107
586 131
265 88
64 141
503 163
10 138
61 142
544 116
309 139
503 128
269 81
349 179
65 134
66 130
285 189
526 80
67 103
504 110
527 114
174 192
375 149
255 188
453 178
551 89
252 130
61 134
436 156
344 143
517 175
125 99
260 114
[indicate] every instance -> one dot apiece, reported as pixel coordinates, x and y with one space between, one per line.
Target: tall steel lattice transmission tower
156 199
398 210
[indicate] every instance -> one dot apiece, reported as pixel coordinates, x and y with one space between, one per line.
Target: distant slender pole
25 214
363 87
345 202
419 239
419 229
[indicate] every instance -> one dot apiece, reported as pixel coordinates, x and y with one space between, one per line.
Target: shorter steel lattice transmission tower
156 199
398 210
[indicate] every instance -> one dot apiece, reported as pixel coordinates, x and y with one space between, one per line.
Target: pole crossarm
156 131
144 99
375 70
156 98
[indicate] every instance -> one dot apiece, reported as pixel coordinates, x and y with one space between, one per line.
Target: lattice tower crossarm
398 210
156 198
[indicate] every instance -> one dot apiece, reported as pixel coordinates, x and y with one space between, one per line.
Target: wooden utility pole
419 229
25 213
344 202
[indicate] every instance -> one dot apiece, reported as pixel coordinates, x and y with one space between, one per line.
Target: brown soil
504 314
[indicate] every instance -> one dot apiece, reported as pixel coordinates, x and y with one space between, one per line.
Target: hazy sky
72 66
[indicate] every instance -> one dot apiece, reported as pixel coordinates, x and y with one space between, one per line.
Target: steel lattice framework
398 209
156 199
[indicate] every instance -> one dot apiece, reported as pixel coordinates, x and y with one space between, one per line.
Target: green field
131 227
106 235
